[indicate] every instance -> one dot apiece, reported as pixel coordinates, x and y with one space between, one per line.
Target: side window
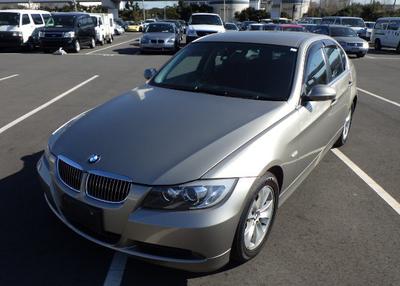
37 19
100 22
334 61
25 19
381 25
316 70
394 25
81 23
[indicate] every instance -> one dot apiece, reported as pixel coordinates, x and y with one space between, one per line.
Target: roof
290 25
70 13
195 14
24 11
290 39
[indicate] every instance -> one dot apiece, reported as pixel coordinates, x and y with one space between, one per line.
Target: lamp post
144 11
224 11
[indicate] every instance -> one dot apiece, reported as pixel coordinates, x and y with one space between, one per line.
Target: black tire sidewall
378 46
239 251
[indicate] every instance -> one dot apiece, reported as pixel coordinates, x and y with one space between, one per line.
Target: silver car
188 170
160 36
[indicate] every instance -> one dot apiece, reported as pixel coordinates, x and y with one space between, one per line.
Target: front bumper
49 43
157 47
10 42
197 241
355 50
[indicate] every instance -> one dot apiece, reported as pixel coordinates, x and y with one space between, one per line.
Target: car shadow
383 52
140 273
35 247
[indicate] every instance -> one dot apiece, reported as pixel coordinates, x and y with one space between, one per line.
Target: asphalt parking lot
334 230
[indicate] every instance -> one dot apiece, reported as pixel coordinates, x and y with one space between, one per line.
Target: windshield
293 29
324 30
229 26
370 25
256 27
62 21
353 22
205 20
9 19
242 70
159 28
342 32
328 21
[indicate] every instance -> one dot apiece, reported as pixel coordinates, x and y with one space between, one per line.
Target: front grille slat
107 188
70 175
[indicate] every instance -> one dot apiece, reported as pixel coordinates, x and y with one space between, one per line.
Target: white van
104 26
386 33
356 23
17 27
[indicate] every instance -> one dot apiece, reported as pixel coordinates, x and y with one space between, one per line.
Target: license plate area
81 215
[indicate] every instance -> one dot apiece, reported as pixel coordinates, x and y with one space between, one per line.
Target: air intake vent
107 189
70 175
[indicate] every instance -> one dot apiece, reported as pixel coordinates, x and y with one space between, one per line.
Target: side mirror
149 73
321 92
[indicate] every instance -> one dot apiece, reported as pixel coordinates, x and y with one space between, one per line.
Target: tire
102 42
77 46
111 39
344 136
92 44
378 45
398 48
244 248
360 55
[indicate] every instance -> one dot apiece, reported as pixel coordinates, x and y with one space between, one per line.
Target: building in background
295 8
334 5
231 7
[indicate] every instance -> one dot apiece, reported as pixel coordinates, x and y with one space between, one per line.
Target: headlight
172 40
49 156
69 35
365 45
195 195
17 34
192 33
144 41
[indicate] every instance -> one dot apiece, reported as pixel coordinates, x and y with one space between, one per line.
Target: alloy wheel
259 218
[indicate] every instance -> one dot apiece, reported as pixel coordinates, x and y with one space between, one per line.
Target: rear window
328 21
9 19
37 19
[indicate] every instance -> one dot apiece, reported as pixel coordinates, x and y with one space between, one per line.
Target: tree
251 14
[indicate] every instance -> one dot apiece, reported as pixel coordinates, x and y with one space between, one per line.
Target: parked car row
30 29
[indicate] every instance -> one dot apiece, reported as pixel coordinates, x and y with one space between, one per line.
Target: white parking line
370 182
379 97
7 77
116 270
43 106
382 58
105 48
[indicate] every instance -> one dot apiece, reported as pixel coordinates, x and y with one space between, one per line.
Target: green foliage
251 14
369 12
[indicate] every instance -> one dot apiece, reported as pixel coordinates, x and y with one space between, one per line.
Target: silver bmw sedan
188 170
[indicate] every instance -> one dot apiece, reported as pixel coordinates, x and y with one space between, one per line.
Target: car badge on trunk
94 158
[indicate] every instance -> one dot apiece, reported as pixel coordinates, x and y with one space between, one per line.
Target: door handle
350 82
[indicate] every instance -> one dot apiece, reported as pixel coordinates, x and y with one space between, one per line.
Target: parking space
334 230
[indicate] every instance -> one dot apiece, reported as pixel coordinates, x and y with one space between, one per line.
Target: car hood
159 136
213 28
158 35
8 28
349 39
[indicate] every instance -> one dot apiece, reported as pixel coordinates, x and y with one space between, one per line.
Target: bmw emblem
93 158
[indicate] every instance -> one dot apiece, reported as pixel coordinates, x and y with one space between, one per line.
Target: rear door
393 33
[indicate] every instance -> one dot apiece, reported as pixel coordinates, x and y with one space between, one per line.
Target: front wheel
256 220
398 48
77 46
346 129
92 43
378 45
360 55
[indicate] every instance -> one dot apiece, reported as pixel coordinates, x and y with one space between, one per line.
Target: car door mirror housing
149 73
321 93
